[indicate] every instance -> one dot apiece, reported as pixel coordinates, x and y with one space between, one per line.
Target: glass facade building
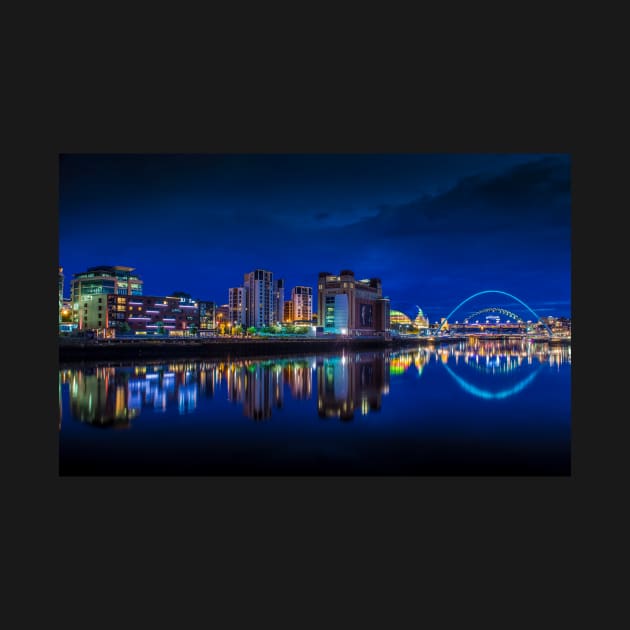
349 306
108 280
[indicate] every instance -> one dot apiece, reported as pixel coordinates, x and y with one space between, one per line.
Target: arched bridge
495 309
493 291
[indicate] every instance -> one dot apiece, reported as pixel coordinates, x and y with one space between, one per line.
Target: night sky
434 228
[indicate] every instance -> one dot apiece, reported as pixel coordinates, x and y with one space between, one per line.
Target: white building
260 296
302 298
237 304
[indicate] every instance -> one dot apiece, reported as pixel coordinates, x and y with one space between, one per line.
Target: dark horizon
434 228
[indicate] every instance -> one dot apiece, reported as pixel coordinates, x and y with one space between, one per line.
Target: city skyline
434 228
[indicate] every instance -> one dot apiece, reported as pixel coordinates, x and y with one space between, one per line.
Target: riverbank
80 350
95 350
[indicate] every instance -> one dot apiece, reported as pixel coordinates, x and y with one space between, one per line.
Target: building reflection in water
258 386
351 382
113 395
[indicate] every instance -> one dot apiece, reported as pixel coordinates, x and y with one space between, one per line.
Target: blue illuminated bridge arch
488 395
495 309
493 291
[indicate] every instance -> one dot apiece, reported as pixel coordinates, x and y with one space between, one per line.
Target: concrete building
288 312
260 298
237 301
140 315
349 306
302 298
278 304
103 280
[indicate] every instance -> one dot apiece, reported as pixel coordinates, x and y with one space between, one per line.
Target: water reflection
350 382
347 384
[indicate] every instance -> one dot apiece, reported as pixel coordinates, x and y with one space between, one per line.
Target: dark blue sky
434 228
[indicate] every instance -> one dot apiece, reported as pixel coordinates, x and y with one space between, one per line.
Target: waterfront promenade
106 349
73 349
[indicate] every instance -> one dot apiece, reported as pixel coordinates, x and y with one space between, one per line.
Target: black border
121 534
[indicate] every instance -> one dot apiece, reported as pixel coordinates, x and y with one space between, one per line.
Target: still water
476 408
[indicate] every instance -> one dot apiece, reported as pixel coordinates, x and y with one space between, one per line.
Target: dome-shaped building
398 318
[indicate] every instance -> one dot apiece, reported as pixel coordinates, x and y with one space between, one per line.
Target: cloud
533 196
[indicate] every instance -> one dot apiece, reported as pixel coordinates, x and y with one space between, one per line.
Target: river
473 408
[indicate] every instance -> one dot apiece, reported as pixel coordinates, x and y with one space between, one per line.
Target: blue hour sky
435 228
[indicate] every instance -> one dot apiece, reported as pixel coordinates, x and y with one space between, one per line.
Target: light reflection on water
348 386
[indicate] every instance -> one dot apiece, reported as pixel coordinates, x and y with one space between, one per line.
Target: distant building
421 321
237 300
397 319
222 315
350 306
66 324
60 287
302 298
207 315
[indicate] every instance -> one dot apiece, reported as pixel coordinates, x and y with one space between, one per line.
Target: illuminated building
350 306
302 298
260 298
222 317
207 315
278 301
60 287
398 319
288 312
237 302
421 321
115 280
140 315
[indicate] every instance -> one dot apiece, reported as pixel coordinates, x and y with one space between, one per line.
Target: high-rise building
115 280
237 302
278 306
288 312
302 298
350 306
260 298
